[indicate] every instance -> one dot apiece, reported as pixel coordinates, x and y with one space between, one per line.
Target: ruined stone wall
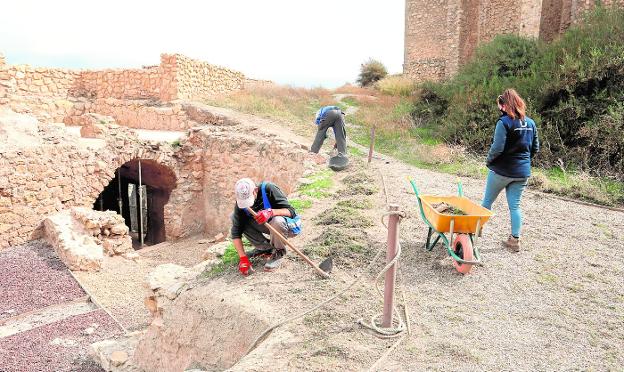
121 83
260 159
50 93
53 171
26 80
40 180
197 79
442 35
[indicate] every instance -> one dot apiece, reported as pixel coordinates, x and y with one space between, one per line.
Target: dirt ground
556 305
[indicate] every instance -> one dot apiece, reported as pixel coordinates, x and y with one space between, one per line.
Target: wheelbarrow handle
411 181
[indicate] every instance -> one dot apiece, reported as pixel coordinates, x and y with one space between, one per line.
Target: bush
370 72
574 89
396 85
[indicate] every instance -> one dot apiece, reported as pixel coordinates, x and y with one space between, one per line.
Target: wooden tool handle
303 256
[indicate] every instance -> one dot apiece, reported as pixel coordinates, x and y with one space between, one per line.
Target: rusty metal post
393 236
372 145
141 205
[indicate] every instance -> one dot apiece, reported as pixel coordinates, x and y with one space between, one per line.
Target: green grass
356 152
350 101
228 261
300 204
321 184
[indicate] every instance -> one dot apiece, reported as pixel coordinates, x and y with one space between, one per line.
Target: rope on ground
391 332
92 298
264 334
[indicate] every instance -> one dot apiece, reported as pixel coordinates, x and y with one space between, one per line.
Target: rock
166 275
134 256
88 331
65 342
219 237
214 251
118 358
119 229
77 251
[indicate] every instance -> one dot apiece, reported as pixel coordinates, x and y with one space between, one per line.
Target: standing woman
509 159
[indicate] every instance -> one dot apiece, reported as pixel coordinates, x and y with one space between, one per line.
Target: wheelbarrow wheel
462 246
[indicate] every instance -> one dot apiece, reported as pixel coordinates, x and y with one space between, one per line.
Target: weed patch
300 204
344 216
320 185
347 247
357 203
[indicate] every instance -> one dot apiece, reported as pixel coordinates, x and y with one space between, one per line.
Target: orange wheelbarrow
463 230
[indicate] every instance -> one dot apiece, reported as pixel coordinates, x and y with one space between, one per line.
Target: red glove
244 265
264 215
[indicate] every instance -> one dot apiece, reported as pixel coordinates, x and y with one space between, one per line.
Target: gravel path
558 304
59 346
32 277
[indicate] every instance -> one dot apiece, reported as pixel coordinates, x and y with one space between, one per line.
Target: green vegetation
371 71
296 106
574 88
347 246
228 260
345 216
175 144
320 185
396 85
300 204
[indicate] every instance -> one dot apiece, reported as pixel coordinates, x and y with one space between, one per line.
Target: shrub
396 85
370 72
574 88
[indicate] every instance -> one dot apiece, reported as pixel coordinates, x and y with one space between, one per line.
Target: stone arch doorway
123 195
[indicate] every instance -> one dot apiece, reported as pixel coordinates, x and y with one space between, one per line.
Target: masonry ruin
87 139
442 35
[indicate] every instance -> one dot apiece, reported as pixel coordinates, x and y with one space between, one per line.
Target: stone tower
441 35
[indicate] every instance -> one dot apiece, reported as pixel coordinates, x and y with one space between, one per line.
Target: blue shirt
515 143
321 113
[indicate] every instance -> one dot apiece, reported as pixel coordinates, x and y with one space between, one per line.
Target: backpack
294 224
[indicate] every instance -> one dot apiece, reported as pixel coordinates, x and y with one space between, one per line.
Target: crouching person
272 207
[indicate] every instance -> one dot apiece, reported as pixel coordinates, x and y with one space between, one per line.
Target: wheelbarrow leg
428 245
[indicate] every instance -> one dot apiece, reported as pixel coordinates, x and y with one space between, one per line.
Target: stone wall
36 181
35 89
48 170
122 83
442 35
197 79
245 156
25 80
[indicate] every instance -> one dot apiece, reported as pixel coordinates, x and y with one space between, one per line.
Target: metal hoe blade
327 265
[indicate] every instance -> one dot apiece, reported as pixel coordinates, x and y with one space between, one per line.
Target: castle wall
443 35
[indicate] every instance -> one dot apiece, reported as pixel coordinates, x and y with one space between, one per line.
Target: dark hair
515 105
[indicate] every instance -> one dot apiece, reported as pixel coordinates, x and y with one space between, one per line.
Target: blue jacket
515 143
321 113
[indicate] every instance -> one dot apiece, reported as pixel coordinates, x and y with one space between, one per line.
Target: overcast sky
303 43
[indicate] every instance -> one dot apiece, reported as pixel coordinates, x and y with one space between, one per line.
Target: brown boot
512 243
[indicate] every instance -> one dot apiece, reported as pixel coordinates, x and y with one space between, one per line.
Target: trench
142 207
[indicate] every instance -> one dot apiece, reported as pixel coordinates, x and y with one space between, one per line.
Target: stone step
40 317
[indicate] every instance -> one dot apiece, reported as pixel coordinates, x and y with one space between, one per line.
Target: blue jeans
513 190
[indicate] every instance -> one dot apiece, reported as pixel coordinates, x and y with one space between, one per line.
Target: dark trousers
255 233
335 120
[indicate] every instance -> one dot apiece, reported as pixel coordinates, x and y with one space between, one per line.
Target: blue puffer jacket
515 143
321 113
